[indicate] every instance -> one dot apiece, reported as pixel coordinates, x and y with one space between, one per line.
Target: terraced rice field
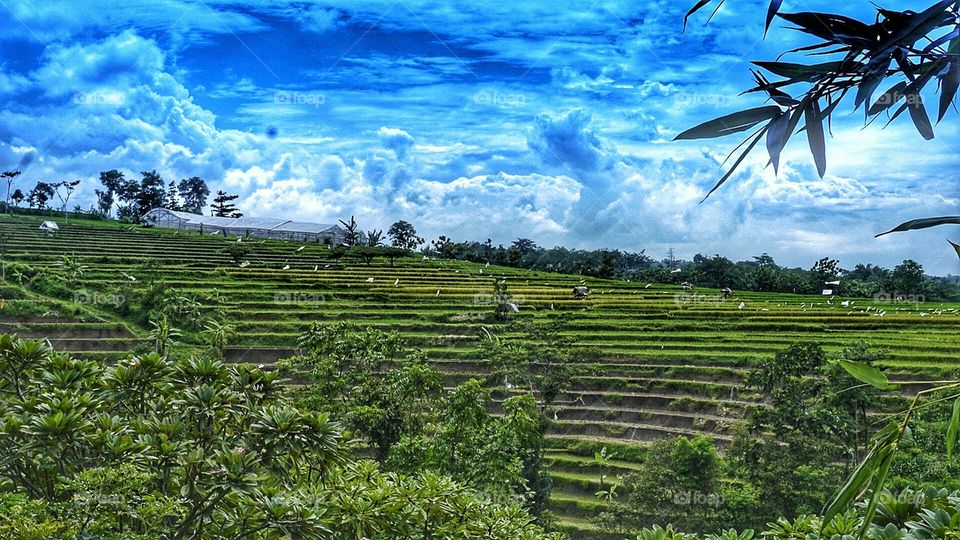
668 362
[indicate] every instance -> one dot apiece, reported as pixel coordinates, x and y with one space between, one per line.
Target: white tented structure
50 226
248 227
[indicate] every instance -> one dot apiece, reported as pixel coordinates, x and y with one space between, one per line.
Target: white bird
128 276
316 267
675 270
426 258
438 292
397 282
299 249
648 285
488 264
514 307
551 306
481 270
286 267
742 305
239 239
326 266
244 264
845 303
369 280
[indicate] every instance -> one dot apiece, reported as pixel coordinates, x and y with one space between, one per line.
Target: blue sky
477 120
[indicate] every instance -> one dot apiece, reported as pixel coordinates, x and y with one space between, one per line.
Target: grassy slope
668 363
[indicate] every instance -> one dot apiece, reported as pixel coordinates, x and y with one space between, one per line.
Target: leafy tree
68 189
342 362
716 272
907 278
908 48
151 193
500 456
223 205
353 232
114 182
154 448
404 235
237 252
172 199
374 238
9 176
538 358
194 192
824 270
17 197
681 481
40 195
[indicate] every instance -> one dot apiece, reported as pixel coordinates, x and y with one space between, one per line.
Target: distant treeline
761 273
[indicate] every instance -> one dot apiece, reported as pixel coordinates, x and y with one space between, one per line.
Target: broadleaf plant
902 51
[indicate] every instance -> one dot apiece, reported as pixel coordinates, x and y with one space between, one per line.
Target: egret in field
286 267
299 249
648 285
426 258
239 239
396 282
438 293
488 264
845 303
369 280
326 266
741 306
316 267
128 276
244 264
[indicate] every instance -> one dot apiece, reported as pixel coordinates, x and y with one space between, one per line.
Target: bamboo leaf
777 135
888 99
802 72
727 176
818 146
854 485
697 7
771 13
956 247
731 123
919 115
954 425
866 374
925 223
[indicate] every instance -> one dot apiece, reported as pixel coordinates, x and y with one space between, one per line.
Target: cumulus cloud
552 122
397 140
567 139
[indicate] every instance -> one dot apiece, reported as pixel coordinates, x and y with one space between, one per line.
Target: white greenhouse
247 227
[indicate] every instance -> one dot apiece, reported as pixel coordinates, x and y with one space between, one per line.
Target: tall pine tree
223 205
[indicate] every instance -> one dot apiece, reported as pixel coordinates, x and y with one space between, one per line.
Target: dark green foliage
223 205
536 358
194 192
151 448
404 235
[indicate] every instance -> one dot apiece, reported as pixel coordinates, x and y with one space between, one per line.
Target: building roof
304 227
248 222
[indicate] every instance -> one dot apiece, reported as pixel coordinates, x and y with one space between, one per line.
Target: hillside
668 362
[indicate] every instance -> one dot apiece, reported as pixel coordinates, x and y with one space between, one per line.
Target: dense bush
152 448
